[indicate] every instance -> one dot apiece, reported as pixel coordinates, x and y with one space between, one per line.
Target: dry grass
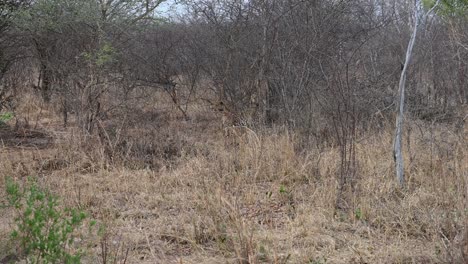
197 197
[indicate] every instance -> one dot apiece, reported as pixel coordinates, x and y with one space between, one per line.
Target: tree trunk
45 83
397 145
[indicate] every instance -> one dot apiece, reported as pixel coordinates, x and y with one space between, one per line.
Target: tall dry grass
177 191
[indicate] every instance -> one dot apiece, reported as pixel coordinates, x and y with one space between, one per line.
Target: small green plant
282 189
45 232
5 117
262 254
358 213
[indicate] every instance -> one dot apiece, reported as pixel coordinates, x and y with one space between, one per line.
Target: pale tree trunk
397 146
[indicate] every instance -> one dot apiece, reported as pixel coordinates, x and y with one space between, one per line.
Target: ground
171 190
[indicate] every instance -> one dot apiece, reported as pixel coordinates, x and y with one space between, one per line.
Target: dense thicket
321 67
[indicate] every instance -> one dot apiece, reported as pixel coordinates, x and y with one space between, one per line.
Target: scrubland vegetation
232 132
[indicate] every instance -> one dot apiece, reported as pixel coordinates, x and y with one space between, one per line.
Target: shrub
45 231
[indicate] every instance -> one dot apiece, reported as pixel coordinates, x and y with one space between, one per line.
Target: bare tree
397 147
12 51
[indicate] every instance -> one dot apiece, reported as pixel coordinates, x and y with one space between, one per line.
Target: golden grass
257 199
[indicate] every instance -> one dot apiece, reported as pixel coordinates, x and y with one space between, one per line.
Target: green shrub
44 231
